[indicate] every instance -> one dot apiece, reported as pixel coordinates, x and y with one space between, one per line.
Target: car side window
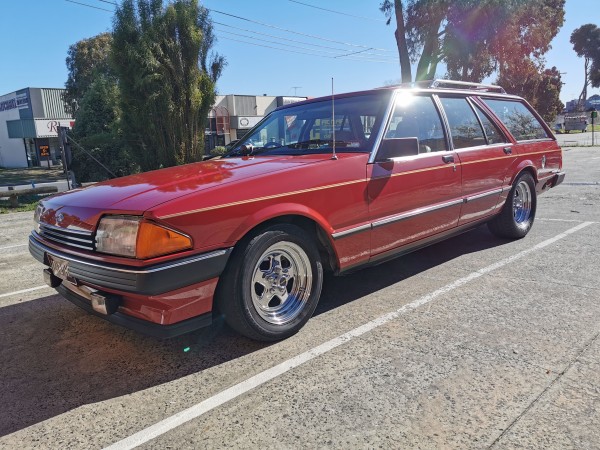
492 132
465 129
519 120
417 116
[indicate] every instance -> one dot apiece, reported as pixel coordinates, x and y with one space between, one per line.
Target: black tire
272 283
518 213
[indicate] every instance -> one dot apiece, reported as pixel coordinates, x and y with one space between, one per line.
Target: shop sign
7 105
23 101
44 150
244 122
49 128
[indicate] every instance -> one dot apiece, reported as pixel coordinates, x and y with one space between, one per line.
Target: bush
218 151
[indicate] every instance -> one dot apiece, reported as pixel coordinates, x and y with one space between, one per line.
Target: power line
338 12
367 51
110 3
295 32
287 50
333 54
89 6
290 40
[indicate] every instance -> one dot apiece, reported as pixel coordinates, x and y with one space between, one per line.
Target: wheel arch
308 220
523 166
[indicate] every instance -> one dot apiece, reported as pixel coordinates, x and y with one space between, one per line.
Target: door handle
448 159
507 150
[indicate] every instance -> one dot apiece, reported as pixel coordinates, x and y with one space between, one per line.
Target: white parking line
563 220
13 246
261 378
8 294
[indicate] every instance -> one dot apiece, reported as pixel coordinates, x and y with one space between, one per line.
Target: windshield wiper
311 143
318 143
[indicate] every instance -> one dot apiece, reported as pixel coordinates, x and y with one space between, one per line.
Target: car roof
429 86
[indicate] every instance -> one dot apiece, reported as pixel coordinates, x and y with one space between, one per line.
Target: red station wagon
326 184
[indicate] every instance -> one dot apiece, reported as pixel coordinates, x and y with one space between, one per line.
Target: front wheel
517 215
272 284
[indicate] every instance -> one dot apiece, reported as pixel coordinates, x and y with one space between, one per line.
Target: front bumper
139 325
162 300
152 280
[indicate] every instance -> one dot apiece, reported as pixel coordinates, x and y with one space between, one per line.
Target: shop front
29 121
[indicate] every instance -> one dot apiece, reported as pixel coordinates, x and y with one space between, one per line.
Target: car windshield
308 128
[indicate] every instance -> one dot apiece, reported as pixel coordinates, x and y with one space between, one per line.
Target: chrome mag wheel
522 204
281 283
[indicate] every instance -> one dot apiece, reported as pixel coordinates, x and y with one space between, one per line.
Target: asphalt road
476 342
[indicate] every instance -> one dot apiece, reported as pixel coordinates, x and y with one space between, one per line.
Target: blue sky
36 34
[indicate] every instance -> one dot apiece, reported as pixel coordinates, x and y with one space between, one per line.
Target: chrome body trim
66 236
33 241
351 231
416 212
66 230
483 195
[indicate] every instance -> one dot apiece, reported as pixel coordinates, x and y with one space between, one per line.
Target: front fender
279 210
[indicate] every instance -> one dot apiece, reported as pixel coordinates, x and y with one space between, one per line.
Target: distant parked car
305 191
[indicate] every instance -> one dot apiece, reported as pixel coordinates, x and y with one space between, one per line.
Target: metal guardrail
13 194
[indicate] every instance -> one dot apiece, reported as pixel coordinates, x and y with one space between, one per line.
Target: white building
28 127
233 115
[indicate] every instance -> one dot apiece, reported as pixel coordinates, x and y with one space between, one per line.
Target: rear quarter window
519 120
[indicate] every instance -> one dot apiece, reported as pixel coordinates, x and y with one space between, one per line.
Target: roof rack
451 84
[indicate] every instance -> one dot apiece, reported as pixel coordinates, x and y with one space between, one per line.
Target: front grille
72 238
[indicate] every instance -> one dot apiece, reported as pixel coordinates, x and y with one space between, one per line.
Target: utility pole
594 115
65 153
295 88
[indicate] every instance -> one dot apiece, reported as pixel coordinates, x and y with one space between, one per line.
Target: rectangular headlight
117 235
135 238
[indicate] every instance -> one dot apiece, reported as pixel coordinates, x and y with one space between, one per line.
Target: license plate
60 267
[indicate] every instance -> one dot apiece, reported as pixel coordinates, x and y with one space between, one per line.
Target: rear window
465 128
519 120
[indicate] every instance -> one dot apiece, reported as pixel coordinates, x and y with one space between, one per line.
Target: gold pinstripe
346 183
510 156
259 199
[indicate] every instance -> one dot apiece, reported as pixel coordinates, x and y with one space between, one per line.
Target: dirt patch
13 177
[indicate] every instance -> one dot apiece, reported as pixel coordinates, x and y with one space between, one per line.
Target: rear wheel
517 215
272 284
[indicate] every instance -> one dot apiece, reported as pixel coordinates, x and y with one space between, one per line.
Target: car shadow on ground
56 357
340 290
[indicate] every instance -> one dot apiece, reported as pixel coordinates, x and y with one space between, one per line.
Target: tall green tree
541 87
586 43
474 38
167 75
97 130
93 94
86 60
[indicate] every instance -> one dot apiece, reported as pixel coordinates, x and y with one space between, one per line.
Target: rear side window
464 125
521 123
492 132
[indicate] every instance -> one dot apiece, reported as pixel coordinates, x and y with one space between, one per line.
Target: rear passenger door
485 155
417 196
